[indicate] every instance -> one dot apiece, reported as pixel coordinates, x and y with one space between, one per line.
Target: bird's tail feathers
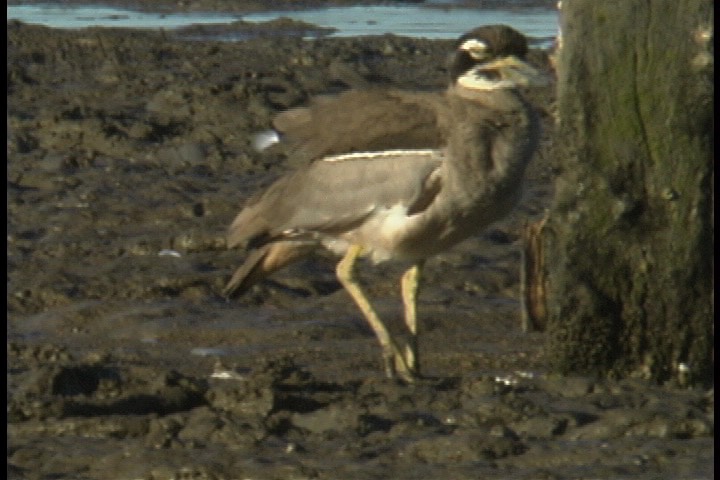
262 262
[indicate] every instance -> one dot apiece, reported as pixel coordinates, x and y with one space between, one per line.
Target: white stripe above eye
379 154
473 44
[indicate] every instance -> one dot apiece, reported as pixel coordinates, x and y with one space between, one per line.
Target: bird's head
492 57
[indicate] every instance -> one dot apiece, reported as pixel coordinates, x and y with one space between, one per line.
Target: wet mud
129 153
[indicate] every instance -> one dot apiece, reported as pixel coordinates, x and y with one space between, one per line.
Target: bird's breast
390 233
382 234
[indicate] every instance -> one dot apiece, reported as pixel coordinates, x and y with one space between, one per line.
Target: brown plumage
388 119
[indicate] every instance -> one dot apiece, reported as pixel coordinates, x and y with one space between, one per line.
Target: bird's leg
394 359
409 286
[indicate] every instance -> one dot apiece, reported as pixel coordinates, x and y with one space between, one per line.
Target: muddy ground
129 153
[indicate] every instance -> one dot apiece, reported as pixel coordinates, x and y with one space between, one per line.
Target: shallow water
418 21
408 20
100 16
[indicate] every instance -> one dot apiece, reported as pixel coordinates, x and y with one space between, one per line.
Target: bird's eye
478 54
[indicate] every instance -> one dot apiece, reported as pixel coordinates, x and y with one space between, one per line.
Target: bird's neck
491 133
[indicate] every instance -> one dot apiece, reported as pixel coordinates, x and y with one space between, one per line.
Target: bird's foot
398 367
411 360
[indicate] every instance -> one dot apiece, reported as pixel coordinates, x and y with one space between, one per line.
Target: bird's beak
515 70
506 72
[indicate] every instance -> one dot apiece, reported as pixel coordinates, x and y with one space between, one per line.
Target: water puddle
407 20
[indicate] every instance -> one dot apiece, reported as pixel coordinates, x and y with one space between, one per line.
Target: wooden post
628 245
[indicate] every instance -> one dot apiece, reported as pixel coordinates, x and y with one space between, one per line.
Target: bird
374 190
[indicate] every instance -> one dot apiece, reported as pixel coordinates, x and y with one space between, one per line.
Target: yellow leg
394 360
409 286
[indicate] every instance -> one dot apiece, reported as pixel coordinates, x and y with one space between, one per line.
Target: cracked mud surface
126 363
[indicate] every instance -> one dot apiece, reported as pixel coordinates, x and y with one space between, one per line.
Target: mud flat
129 153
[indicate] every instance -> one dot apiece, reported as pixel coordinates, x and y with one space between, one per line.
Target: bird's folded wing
361 120
333 196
